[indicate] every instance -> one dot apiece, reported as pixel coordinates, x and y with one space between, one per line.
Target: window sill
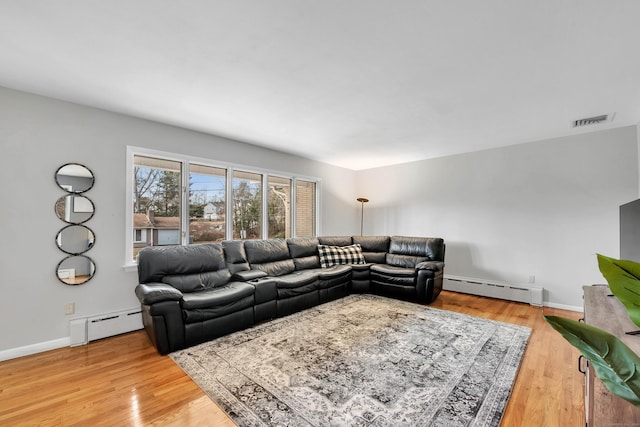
130 268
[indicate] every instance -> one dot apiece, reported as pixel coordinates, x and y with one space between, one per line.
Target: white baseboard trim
14 353
564 306
27 350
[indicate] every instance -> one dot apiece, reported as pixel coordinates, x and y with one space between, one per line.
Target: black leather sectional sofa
192 294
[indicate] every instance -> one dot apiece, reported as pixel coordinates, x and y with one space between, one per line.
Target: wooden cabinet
604 311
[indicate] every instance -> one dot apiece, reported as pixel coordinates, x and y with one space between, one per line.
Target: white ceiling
355 83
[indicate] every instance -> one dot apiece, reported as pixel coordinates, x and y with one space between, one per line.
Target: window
247 205
178 200
279 207
139 235
207 204
305 208
156 201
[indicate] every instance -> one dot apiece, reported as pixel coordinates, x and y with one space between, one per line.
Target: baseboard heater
493 289
93 328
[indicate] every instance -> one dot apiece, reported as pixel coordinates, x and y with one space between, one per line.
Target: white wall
39 134
638 137
543 209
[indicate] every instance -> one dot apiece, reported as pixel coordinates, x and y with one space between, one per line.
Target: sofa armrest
151 293
246 275
430 265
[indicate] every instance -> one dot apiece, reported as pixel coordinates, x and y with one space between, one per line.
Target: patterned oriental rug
362 360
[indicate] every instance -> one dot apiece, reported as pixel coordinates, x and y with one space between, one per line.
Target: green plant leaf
630 267
624 282
615 364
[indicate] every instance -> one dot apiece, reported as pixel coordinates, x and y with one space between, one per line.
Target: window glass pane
279 207
247 205
305 208
207 194
156 202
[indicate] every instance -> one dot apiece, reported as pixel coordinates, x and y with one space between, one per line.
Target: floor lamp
362 201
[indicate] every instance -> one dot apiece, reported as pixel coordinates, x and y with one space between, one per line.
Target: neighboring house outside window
154 231
207 203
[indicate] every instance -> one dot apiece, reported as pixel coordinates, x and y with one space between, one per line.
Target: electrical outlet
532 279
70 308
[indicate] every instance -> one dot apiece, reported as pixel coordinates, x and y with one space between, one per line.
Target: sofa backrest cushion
374 248
235 255
198 281
271 256
157 262
335 240
406 261
304 251
336 255
408 251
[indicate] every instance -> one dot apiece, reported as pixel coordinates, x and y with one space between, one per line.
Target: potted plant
617 366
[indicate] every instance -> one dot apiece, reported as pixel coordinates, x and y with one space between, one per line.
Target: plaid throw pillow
334 255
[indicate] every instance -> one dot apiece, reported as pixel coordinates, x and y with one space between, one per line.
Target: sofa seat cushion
213 303
215 297
340 277
408 261
297 279
430 265
333 271
336 275
309 288
389 275
392 270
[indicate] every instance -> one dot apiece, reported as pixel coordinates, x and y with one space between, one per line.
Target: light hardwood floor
122 381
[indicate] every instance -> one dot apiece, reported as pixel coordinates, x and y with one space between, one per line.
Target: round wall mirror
75 239
74 178
74 209
75 270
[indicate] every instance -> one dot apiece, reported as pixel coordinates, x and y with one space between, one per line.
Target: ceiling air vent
592 120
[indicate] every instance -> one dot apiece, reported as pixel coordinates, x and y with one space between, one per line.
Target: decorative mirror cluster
75 209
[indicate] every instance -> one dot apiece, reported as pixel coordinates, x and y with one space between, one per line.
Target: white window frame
186 160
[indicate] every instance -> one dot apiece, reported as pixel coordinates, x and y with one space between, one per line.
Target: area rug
362 360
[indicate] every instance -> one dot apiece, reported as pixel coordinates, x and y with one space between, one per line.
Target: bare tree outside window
247 205
279 207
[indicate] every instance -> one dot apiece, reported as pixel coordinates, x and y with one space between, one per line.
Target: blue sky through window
206 188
